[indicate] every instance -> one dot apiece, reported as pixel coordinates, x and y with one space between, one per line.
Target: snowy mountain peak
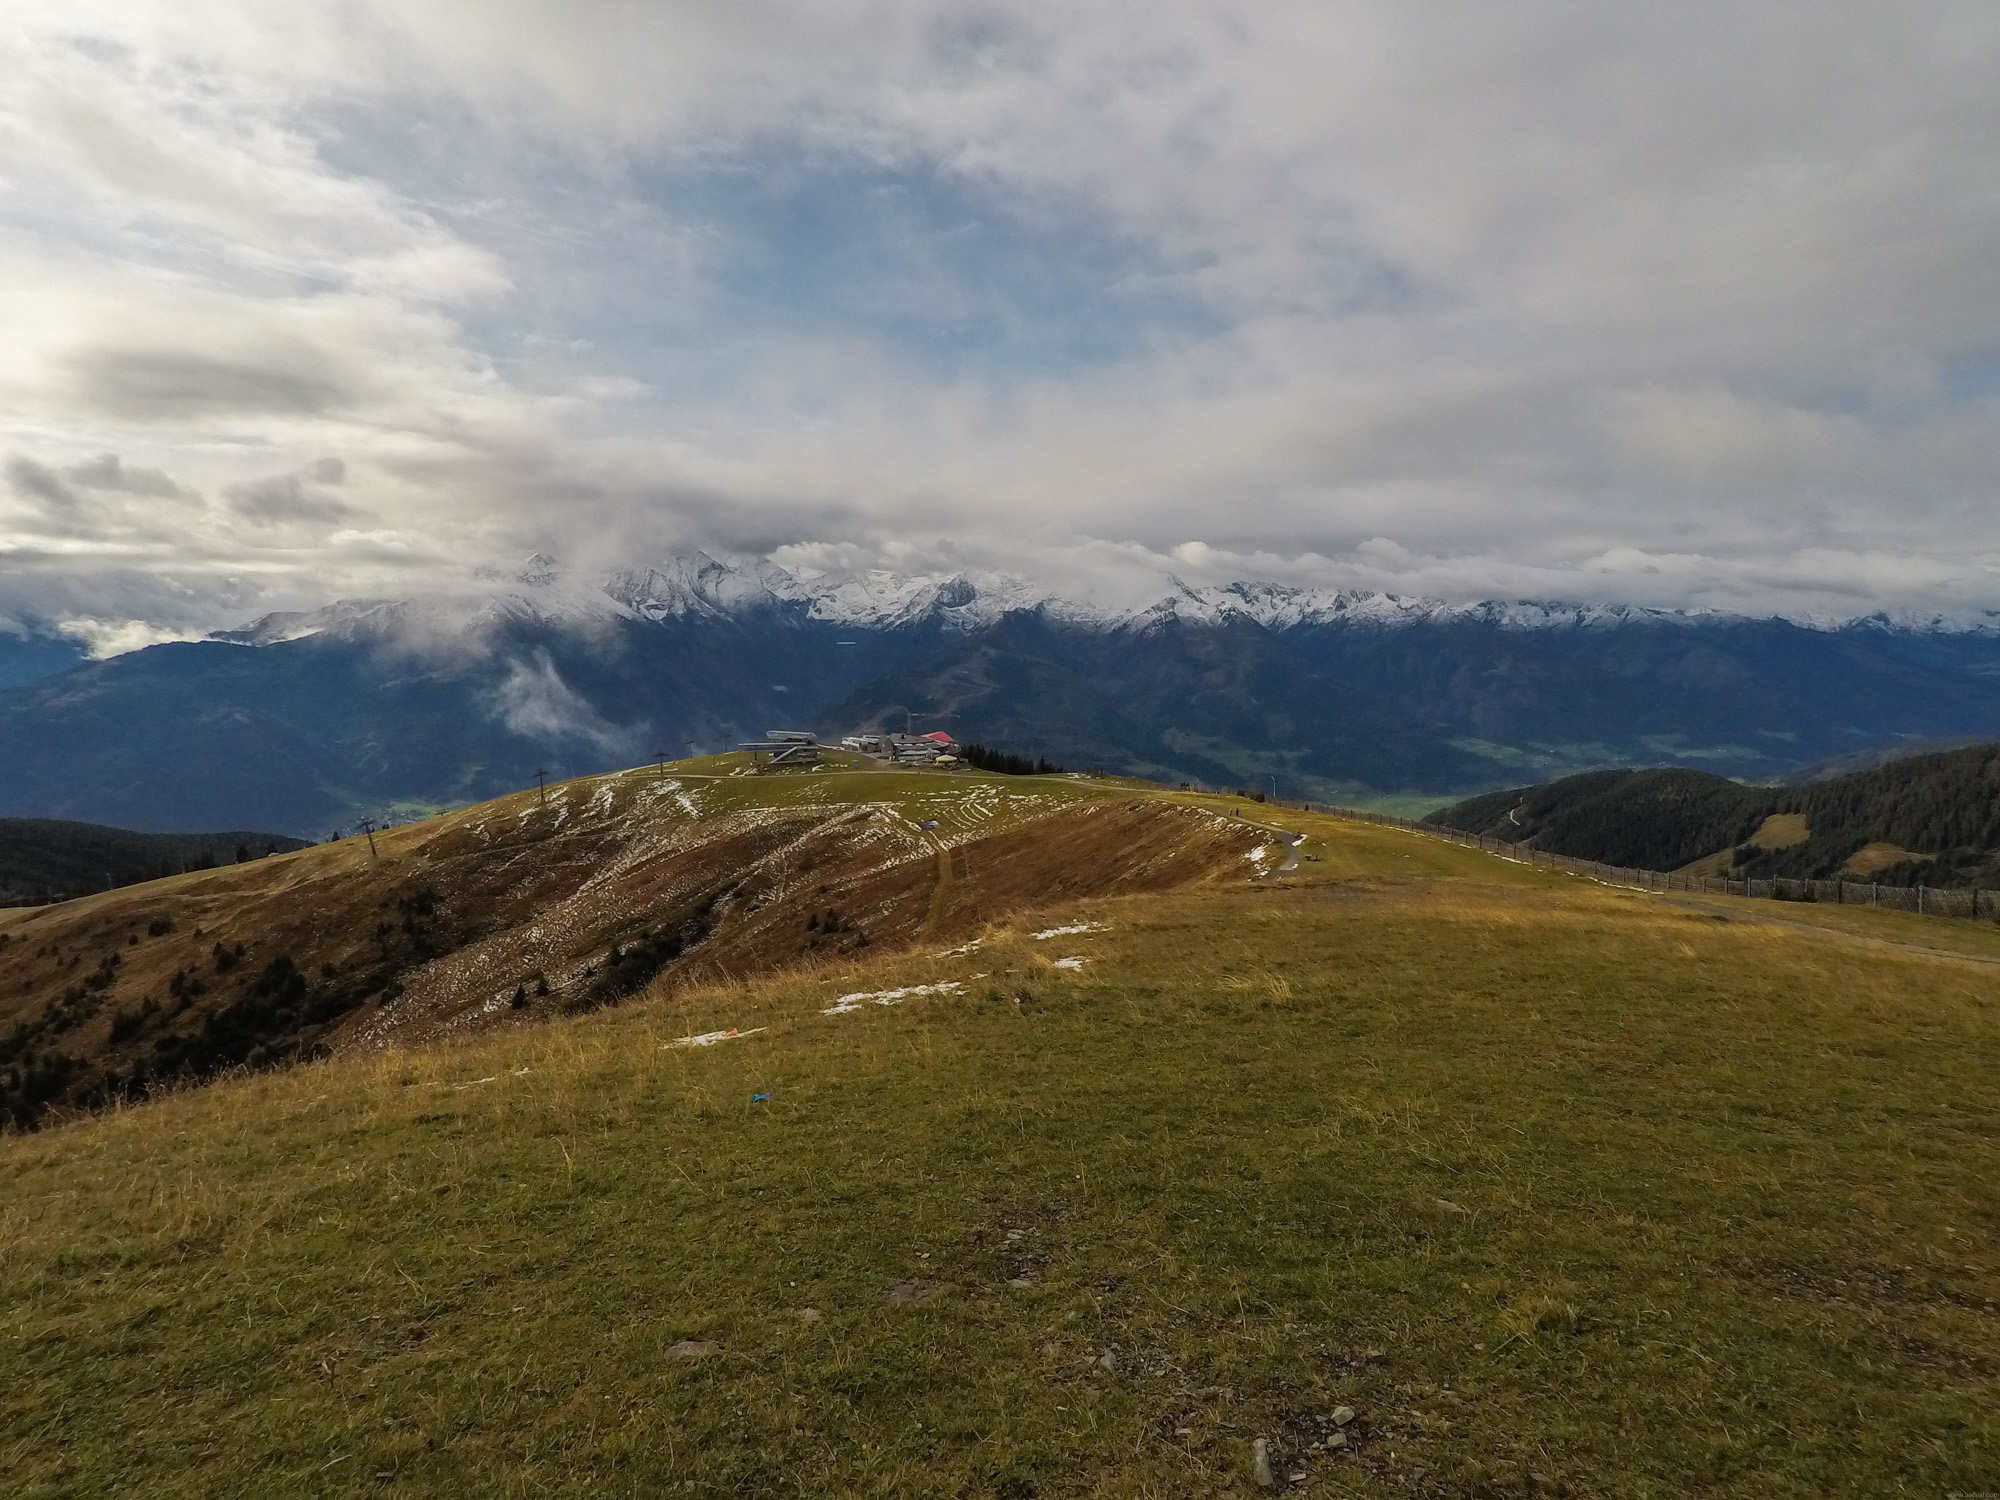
703 586
538 571
292 625
700 586
1970 622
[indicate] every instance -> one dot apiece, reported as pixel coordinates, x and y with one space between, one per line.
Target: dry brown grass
1873 859
1781 831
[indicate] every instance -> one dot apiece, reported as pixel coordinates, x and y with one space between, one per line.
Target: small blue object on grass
760 1098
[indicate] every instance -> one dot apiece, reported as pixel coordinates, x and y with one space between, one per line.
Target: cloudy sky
1679 304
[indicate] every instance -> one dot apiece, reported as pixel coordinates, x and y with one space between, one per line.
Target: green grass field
1563 1190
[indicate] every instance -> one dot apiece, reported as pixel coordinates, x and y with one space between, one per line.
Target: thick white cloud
1690 304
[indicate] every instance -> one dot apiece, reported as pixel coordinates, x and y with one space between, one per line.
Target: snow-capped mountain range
369 704
700 586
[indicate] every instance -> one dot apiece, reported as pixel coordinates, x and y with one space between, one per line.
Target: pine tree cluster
1005 764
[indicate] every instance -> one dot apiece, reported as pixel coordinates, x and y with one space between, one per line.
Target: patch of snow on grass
710 1038
962 949
855 1001
1069 963
470 1083
1075 927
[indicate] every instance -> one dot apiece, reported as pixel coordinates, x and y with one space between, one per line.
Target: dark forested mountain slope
1654 819
1933 819
43 859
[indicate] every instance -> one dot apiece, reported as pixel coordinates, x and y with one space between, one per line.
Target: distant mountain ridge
303 721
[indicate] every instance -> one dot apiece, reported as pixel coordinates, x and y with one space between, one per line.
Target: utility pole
368 827
661 757
542 784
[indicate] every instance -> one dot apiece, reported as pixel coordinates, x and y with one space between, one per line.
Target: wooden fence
1930 901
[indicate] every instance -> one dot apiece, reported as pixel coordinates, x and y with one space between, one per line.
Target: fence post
1920 900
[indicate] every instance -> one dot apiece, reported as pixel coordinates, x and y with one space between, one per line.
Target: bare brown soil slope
528 906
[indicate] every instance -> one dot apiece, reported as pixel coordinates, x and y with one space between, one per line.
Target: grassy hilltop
545 902
1440 1175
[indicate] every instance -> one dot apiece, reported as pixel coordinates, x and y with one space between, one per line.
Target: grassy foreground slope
1563 1190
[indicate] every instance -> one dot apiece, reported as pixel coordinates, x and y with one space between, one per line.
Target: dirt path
1293 842
1733 913
1291 838
1738 909
941 892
